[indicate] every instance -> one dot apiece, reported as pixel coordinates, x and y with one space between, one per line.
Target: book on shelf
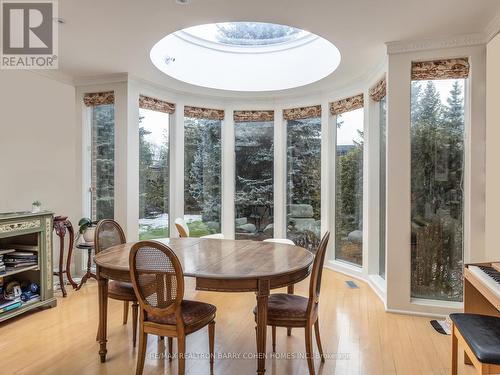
21 254
11 267
6 251
24 247
11 307
7 305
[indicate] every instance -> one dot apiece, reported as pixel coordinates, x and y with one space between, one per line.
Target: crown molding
101 79
55 75
493 27
466 40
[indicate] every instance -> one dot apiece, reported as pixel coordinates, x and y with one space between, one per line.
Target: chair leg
318 340
309 352
290 290
135 310
181 355
170 346
125 312
274 338
454 352
211 343
141 354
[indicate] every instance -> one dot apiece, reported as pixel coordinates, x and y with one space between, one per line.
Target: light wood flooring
353 324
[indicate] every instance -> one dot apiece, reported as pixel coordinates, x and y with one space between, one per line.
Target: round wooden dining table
217 265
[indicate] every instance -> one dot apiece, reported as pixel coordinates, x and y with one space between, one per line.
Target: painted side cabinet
35 231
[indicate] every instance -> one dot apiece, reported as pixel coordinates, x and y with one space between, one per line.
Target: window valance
146 102
99 98
302 112
379 91
345 105
440 69
253 116
204 113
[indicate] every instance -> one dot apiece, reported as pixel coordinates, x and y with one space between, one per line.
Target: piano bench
480 337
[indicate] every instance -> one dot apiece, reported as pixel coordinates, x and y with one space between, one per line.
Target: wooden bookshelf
28 229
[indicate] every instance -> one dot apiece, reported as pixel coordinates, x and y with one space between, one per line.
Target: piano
482 288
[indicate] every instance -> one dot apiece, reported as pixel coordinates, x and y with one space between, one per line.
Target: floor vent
351 284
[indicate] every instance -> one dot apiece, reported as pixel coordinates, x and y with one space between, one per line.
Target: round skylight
245 33
245 56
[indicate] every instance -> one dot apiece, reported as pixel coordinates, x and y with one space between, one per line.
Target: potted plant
36 207
87 229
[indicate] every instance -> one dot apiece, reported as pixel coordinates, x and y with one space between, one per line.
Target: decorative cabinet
34 232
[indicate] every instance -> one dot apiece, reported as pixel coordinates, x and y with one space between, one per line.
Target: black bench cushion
482 333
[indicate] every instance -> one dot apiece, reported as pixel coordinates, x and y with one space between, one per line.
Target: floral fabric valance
346 105
146 102
378 92
440 69
302 112
204 113
99 98
253 116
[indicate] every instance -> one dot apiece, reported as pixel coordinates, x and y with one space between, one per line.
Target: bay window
254 152
202 170
437 178
303 191
349 179
154 167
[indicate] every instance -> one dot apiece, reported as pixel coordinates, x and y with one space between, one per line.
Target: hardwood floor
353 323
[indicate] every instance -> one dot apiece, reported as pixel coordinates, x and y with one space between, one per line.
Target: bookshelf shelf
19 270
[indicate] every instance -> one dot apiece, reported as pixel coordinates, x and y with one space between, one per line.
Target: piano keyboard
489 276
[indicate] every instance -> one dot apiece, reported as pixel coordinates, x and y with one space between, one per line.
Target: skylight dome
246 33
245 56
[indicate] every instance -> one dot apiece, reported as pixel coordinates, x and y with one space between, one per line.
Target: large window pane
304 182
254 180
437 157
153 174
382 184
349 188
202 176
103 161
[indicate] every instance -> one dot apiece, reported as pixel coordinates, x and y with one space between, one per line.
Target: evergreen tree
203 190
104 123
304 163
436 186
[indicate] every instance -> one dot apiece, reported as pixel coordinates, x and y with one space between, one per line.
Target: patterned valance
253 116
302 112
440 69
204 113
99 98
346 105
378 92
146 102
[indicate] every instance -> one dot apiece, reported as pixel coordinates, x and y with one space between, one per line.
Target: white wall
38 144
492 150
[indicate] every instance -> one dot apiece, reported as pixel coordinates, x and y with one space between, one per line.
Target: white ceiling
102 37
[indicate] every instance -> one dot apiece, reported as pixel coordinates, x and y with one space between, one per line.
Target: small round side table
89 246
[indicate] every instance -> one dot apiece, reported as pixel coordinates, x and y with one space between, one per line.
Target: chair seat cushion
192 312
482 334
286 307
121 290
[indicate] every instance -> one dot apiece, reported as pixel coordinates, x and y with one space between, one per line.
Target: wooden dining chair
158 283
289 310
290 288
181 227
109 233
